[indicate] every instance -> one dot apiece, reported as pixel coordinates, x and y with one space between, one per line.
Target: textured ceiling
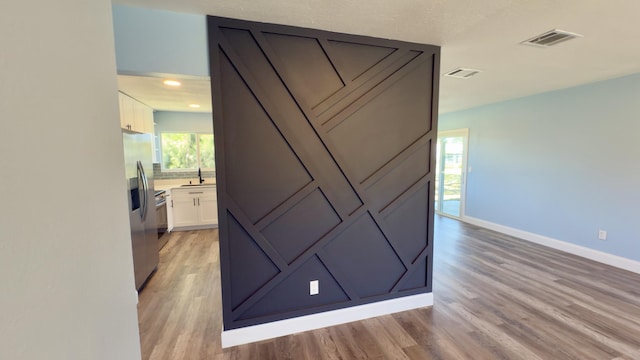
483 35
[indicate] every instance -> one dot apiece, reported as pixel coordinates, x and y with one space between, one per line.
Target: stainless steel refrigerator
142 215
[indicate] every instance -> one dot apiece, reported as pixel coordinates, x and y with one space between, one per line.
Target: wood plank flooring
496 297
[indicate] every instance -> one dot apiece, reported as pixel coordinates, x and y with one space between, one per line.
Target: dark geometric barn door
325 168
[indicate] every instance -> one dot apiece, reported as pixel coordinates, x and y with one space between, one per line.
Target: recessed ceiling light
195 106
172 82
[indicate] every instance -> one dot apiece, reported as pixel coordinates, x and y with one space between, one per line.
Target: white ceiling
475 34
154 93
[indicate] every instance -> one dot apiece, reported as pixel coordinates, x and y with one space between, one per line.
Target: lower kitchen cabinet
208 210
194 207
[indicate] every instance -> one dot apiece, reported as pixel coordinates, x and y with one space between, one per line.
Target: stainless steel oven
161 217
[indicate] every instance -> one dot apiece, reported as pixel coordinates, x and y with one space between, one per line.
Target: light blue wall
154 41
562 164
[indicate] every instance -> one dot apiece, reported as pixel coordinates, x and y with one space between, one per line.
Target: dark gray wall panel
408 224
290 119
250 266
324 152
354 59
417 279
399 178
310 70
262 175
364 255
293 292
301 226
386 125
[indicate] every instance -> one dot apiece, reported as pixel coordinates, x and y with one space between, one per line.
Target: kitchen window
187 151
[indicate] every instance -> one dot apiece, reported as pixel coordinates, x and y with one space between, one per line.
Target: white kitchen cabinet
194 207
127 112
144 117
134 115
209 208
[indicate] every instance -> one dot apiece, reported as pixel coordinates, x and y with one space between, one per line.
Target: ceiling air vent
462 73
550 38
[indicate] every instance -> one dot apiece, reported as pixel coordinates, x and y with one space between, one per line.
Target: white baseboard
599 256
194 227
328 318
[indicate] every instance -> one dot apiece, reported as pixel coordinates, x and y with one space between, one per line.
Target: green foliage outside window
182 151
207 159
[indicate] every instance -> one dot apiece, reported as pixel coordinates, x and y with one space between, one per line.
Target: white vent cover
550 38
462 73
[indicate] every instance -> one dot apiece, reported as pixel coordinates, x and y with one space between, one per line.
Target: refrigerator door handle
146 189
141 191
142 178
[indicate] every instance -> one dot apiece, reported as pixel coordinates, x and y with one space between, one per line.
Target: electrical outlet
602 235
314 287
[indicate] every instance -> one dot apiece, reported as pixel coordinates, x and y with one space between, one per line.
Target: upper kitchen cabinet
134 115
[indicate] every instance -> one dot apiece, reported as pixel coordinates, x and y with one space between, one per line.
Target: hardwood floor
496 297
179 309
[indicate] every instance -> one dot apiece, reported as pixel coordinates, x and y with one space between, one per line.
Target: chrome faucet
200 176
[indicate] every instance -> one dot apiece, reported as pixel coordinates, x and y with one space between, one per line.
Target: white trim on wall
328 318
599 256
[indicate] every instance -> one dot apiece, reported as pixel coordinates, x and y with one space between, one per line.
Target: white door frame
464 133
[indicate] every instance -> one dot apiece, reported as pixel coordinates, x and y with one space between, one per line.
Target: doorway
451 153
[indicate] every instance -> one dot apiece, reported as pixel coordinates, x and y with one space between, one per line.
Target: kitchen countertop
175 183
